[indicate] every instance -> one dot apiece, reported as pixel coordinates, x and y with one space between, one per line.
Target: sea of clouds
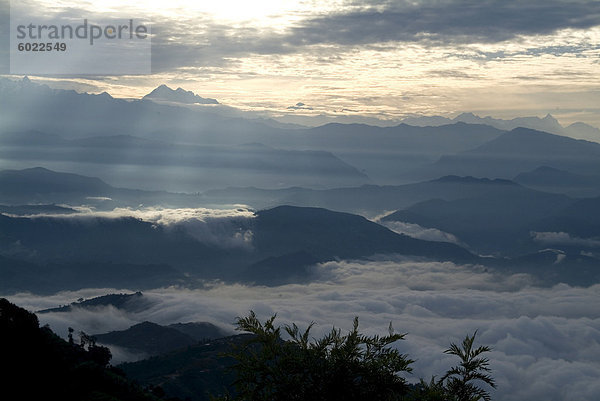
546 341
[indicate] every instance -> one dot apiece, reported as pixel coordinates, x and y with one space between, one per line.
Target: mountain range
297 196
551 179
153 339
517 151
170 146
490 224
282 244
370 200
74 251
216 165
129 303
548 123
25 191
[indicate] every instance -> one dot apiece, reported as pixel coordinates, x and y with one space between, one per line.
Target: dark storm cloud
449 21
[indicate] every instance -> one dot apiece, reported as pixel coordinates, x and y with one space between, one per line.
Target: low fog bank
224 227
546 341
416 231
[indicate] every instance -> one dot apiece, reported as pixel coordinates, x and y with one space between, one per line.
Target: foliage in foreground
346 367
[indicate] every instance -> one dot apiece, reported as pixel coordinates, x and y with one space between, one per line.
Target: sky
386 60
382 59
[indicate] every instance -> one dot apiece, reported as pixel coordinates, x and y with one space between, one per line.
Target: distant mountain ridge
536 143
369 200
490 224
167 138
516 151
72 253
550 179
220 164
27 189
473 180
548 123
366 199
179 95
42 180
126 302
154 339
326 234
20 186
18 275
60 132
15 91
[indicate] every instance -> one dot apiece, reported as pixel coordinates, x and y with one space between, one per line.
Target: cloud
447 22
225 228
562 238
120 355
168 216
98 198
546 341
199 40
416 231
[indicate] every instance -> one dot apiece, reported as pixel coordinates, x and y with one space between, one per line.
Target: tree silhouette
99 354
336 367
461 380
345 367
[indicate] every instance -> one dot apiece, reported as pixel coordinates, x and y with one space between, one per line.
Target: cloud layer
448 21
546 341
416 231
225 228
562 238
